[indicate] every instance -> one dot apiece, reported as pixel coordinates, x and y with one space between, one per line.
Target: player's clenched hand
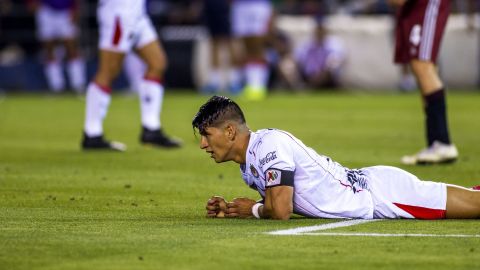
216 206
240 207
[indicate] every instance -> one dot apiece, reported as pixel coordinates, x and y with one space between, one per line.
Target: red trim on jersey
153 79
118 32
105 89
422 212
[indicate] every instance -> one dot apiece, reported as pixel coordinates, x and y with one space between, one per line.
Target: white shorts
400 194
251 18
54 24
122 31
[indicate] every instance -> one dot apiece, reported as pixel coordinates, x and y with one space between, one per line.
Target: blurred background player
217 20
321 60
57 22
124 25
284 73
419 30
251 21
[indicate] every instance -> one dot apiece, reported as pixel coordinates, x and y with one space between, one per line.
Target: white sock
54 74
256 74
151 99
134 69
97 102
76 74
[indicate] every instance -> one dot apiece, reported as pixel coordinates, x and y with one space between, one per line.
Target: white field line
397 235
328 226
310 231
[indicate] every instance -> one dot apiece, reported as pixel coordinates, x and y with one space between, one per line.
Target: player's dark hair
215 112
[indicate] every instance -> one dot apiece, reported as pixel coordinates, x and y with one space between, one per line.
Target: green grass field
61 208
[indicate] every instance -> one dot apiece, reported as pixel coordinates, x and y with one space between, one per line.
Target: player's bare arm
278 203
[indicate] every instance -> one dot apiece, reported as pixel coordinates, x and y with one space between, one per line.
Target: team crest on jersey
254 171
273 177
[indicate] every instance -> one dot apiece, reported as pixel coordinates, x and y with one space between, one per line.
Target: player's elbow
281 214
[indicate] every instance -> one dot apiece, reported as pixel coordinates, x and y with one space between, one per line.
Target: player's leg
98 100
75 65
67 32
397 193
256 67
151 92
47 31
251 21
115 40
53 67
462 202
423 27
439 146
235 58
214 79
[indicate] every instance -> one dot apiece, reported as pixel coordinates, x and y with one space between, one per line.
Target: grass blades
61 208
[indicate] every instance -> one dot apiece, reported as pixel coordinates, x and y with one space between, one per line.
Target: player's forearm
272 213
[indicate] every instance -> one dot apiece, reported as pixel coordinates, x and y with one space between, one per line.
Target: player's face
216 142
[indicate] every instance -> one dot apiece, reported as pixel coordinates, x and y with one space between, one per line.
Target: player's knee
107 74
157 68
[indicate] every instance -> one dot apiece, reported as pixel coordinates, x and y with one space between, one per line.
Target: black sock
436 117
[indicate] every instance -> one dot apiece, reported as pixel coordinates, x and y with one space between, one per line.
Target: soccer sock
76 74
256 73
151 99
436 117
54 74
97 102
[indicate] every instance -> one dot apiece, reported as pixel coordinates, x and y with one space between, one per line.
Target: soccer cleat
99 143
158 138
254 93
437 153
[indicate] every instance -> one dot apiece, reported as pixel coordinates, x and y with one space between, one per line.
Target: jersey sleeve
275 158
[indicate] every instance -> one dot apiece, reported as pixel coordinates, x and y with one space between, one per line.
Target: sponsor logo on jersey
269 157
254 171
273 177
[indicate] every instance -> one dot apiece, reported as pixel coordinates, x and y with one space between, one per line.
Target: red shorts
419 29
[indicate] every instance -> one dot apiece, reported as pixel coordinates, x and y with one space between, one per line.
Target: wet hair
216 111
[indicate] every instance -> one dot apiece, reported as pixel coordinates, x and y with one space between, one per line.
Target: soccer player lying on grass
293 178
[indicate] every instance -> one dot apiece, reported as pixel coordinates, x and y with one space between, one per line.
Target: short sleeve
275 159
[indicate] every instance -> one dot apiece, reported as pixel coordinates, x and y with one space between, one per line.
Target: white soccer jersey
324 188
321 186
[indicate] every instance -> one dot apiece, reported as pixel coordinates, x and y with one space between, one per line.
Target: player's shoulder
271 138
272 134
